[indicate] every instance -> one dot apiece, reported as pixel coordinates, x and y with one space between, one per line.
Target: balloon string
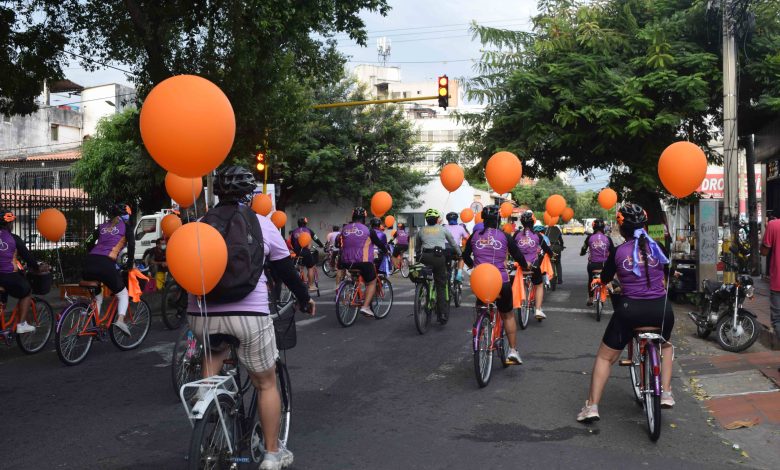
59 263
671 274
202 304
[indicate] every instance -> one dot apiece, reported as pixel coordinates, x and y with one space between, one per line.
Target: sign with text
714 184
707 239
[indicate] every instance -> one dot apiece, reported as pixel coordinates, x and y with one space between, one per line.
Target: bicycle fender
746 312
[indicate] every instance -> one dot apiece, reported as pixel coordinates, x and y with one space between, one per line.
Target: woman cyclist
308 256
11 279
101 262
640 266
599 245
490 245
533 247
382 261
460 234
401 240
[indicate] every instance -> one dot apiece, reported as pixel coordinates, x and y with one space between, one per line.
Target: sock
99 301
124 301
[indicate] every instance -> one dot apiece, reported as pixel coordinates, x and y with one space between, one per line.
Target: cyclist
490 245
401 240
381 262
357 253
308 257
159 262
247 320
640 265
11 278
533 248
430 246
599 245
110 238
555 235
460 234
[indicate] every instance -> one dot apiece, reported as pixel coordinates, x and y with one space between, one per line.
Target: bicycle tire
186 362
71 348
43 321
651 399
483 356
502 345
382 306
457 293
173 310
139 319
599 307
327 268
635 370
422 318
346 313
208 442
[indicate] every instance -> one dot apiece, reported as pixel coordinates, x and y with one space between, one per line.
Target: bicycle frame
7 326
651 342
105 321
360 290
496 325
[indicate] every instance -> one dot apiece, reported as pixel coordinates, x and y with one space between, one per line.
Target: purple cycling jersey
598 245
382 237
402 237
356 246
7 252
297 233
491 247
633 286
111 239
458 233
529 244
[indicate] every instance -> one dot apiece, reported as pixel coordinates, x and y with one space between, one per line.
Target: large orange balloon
389 221
608 198
262 204
279 218
550 220
170 223
187 125
451 176
486 282
682 167
478 218
197 257
183 190
508 228
381 202
506 209
52 224
555 205
466 215
567 215
304 239
503 171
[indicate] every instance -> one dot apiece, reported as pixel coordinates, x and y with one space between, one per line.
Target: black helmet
490 215
6 216
118 209
598 225
527 219
452 218
631 216
234 182
375 222
336 228
303 221
359 213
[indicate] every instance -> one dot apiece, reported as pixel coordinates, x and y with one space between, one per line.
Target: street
374 396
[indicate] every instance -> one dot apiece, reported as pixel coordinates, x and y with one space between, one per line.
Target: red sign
714 185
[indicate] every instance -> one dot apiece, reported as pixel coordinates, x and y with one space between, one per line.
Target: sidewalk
760 307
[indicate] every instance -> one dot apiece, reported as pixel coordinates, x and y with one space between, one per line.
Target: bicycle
403 267
80 323
351 293
528 307
173 304
644 362
425 297
330 265
40 316
456 285
598 292
302 270
488 336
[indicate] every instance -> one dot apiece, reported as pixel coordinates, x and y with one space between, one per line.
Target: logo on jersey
353 231
110 230
490 242
3 245
628 263
599 245
526 242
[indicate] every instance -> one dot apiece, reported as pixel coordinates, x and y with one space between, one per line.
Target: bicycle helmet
539 227
232 183
452 218
336 228
598 225
375 222
359 213
303 221
119 209
527 219
631 217
432 213
6 217
491 215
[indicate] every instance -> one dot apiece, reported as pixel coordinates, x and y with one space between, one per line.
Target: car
573 228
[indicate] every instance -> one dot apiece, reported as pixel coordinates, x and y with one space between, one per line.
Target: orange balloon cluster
682 167
607 198
503 171
506 209
389 221
381 202
486 282
262 204
304 239
169 224
466 215
451 176
555 205
567 215
51 224
279 218
183 190
550 220
196 268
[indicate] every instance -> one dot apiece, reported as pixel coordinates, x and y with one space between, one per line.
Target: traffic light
260 161
444 91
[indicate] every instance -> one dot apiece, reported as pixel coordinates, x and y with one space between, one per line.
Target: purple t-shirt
491 247
598 245
297 233
402 237
458 233
356 246
633 286
256 301
529 244
7 252
111 239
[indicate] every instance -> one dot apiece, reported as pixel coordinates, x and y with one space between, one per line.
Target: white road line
742 393
308 321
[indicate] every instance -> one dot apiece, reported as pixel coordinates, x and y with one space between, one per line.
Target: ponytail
645 256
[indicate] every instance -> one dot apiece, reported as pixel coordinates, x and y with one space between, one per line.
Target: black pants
102 268
592 267
557 264
439 266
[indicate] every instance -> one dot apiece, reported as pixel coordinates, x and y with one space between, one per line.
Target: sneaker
24 327
313 288
367 312
667 400
459 276
122 327
513 358
589 413
540 315
282 458
589 303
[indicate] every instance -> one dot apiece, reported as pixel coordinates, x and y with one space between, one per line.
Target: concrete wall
322 216
95 103
32 134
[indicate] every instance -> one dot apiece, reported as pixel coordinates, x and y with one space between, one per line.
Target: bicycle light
750 291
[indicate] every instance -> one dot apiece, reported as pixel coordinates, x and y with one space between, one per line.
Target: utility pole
752 204
730 145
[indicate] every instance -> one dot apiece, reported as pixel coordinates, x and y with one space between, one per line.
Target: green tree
535 195
588 207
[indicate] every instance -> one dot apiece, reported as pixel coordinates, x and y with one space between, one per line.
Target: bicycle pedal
625 362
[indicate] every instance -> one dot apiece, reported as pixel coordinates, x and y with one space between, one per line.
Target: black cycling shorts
367 269
15 284
504 302
102 268
536 277
309 257
635 313
398 250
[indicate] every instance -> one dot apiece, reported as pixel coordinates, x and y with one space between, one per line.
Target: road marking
742 393
308 321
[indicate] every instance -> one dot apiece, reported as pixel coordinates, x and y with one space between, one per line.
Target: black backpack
240 228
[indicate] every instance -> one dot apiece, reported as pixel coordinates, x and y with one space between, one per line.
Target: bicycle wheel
346 313
635 370
405 267
138 320
599 307
483 355
422 317
457 292
502 345
186 365
43 321
524 312
173 309
651 398
384 302
209 447
72 347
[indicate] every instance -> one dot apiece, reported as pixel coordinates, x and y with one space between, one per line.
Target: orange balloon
508 228
478 218
183 190
682 167
486 282
389 221
466 215
197 269
279 218
51 224
608 198
567 215
506 209
304 239
451 176
262 204
555 205
187 125
503 171
381 202
170 223
550 220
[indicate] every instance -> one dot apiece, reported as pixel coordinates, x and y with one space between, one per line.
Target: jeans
774 310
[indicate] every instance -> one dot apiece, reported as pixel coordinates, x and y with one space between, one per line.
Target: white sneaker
667 400
282 458
513 358
122 327
540 315
367 312
24 327
588 413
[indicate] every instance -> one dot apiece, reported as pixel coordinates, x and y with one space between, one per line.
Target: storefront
767 143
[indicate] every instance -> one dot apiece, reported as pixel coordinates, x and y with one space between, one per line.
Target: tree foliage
535 195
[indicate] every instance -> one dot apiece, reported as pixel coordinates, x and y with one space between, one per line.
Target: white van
588 226
147 231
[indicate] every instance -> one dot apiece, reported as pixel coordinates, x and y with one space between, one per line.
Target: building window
55 132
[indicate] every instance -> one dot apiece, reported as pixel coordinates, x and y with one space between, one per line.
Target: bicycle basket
40 283
284 327
420 273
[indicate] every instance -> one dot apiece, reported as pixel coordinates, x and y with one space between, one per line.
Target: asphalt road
374 396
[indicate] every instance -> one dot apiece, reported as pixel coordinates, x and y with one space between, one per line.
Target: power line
412 62
39 146
86 101
89 59
440 26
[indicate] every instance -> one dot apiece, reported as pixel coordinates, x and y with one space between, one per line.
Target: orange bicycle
488 336
80 323
351 293
40 316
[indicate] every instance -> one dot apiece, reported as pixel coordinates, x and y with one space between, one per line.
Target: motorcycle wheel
728 342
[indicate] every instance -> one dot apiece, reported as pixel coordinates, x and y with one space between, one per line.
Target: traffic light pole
265 180
367 102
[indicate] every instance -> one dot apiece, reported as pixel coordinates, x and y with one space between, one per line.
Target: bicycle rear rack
207 389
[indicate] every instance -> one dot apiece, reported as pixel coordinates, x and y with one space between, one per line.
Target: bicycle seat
90 284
